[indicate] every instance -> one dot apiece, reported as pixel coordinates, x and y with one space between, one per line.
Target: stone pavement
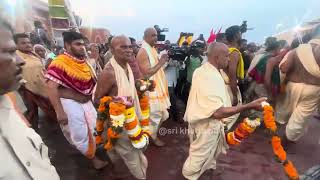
252 160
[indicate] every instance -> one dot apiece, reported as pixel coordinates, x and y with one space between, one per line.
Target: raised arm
144 63
234 59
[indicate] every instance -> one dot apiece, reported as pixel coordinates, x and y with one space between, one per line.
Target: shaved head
121 48
216 47
149 31
118 39
151 36
218 55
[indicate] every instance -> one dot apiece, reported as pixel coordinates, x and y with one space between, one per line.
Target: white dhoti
159 99
207 141
134 158
157 117
80 128
299 103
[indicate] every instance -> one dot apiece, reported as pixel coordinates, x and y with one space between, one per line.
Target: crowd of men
217 81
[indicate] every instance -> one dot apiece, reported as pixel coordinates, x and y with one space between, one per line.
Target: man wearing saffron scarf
76 115
151 66
117 79
208 106
302 94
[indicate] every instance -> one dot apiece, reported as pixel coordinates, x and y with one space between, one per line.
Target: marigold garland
243 130
120 115
278 150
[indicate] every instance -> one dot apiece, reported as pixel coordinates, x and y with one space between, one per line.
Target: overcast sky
131 17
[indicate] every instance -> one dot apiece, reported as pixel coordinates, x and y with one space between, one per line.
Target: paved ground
252 160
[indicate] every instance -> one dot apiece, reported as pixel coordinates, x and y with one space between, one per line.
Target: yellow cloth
134 158
161 93
181 40
189 39
73 68
240 66
207 139
33 73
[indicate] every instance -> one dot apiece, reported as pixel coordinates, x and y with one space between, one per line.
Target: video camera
180 53
161 36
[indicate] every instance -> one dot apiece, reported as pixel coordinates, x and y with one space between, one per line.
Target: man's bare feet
98 164
157 142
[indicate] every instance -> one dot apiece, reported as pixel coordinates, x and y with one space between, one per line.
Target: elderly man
69 73
208 105
302 96
33 92
151 66
117 80
23 154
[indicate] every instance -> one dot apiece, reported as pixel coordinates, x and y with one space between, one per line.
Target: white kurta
207 139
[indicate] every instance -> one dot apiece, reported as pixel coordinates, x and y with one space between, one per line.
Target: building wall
95 35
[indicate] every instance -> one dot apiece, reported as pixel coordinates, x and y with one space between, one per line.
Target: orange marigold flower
98 140
116 108
145 122
131 125
291 171
102 108
108 146
105 99
112 134
278 149
99 125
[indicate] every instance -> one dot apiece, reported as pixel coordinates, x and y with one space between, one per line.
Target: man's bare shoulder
142 53
107 74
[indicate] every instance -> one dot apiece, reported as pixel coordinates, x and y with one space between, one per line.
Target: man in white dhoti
71 73
151 66
302 95
208 104
117 80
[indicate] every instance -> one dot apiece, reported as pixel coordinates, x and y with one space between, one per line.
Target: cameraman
192 63
170 69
